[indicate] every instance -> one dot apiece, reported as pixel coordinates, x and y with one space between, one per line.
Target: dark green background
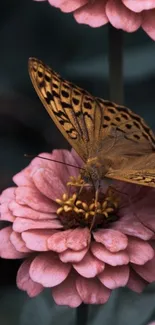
80 54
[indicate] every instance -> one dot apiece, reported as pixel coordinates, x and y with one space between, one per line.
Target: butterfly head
94 171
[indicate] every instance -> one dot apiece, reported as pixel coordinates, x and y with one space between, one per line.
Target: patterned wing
139 170
72 109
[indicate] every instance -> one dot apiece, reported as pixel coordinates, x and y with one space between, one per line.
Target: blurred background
80 54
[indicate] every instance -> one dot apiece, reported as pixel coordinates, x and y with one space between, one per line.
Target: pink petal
78 239
91 291
25 212
121 17
58 241
139 251
139 5
37 239
5 213
89 267
23 224
7 250
33 199
114 277
7 195
67 6
129 225
113 240
92 14
66 294
148 23
18 243
72 256
48 270
23 178
146 271
136 283
48 185
104 255
25 283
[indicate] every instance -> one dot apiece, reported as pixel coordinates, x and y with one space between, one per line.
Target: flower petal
139 251
23 178
67 6
23 224
25 283
92 14
139 5
7 249
48 270
47 184
58 241
104 255
121 17
114 277
66 294
136 283
5 213
72 256
18 242
7 195
148 23
78 239
89 267
113 240
37 239
25 212
91 291
33 199
146 271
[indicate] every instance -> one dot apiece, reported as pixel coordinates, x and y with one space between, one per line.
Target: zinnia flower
50 229
128 15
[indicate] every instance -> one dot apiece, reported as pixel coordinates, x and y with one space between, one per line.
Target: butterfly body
112 141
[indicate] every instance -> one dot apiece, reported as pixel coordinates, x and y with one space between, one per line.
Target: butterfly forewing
96 128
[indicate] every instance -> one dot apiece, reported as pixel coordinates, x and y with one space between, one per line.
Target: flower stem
82 314
115 57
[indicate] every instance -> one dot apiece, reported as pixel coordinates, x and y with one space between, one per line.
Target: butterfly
112 141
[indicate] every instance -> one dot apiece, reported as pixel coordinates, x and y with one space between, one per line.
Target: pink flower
51 231
128 15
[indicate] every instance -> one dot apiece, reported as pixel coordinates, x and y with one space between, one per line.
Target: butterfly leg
96 205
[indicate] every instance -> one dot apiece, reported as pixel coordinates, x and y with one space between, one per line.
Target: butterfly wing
72 109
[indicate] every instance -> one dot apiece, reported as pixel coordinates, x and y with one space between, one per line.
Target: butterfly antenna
57 161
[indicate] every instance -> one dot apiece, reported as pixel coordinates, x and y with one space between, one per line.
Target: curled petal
7 195
72 256
25 283
33 199
25 212
139 5
89 267
78 239
91 291
139 251
148 23
37 239
58 241
23 224
7 249
5 213
92 14
18 242
113 240
66 293
23 178
135 282
104 255
121 17
114 277
48 185
48 270
146 271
